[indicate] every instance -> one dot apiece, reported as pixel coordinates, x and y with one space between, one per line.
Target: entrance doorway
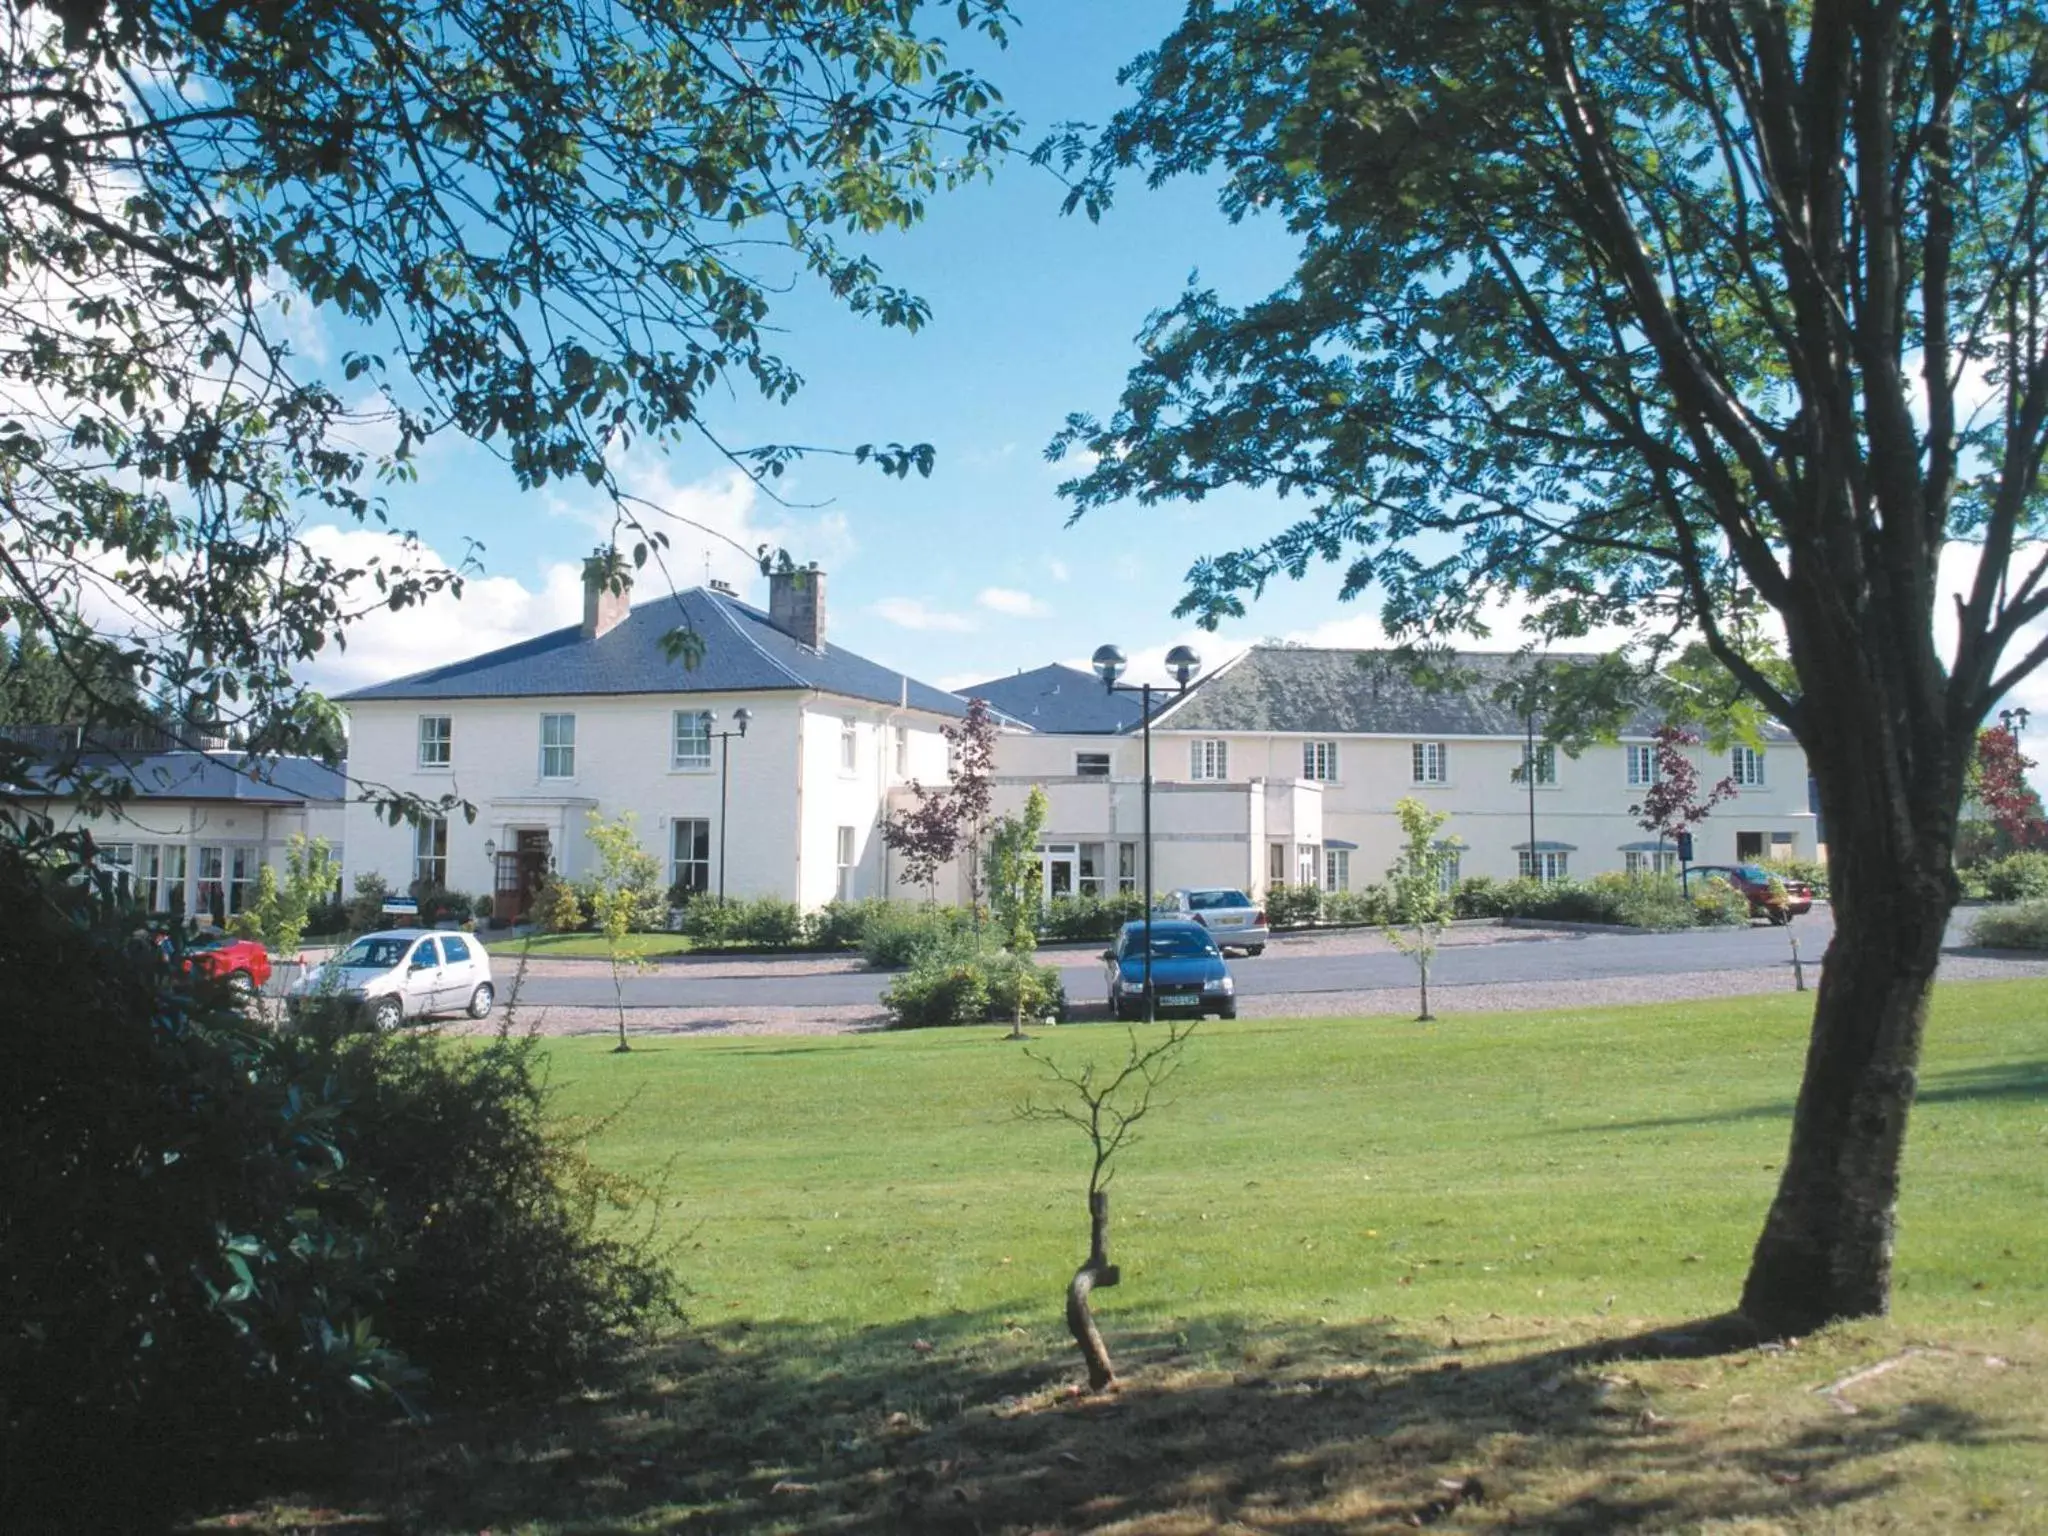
522 870
1059 867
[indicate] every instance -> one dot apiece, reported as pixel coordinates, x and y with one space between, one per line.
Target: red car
243 964
1754 882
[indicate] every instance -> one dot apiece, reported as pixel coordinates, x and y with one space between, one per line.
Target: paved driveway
1297 966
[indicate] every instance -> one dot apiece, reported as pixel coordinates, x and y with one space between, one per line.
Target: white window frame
430 853
563 745
1545 864
1642 765
1336 869
1429 762
1319 761
1307 865
436 742
1209 759
245 862
844 855
1447 870
681 860
1649 861
1276 863
209 868
1085 765
687 729
849 745
1546 764
1126 866
1746 767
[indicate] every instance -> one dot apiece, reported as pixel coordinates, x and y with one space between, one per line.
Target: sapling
1420 906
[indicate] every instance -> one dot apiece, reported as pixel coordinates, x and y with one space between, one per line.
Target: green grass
1611 1160
592 946
1364 1262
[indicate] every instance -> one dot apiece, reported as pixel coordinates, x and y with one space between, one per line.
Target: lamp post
1109 664
741 719
2014 720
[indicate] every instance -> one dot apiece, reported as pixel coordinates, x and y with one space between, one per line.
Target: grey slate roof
743 653
212 776
1061 700
1362 693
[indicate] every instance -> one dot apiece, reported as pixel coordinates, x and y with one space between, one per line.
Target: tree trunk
1097 1271
1425 1016
1826 1248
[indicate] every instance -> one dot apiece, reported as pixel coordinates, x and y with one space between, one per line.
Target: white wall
784 800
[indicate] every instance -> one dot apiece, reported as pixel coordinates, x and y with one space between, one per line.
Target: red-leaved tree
950 820
1674 803
1999 784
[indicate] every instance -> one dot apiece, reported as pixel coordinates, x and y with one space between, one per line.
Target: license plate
1179 999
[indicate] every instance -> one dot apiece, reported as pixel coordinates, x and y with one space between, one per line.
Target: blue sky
970 573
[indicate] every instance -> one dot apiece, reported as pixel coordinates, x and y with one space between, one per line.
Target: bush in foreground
213 1234
2019 927
960 985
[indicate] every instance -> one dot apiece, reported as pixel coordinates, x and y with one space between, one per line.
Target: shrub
955 984
439 905
1717 904
844 924
2019 927
2017 877
366 907
556 908
1293 906
1373 906
1813 871
902 932
1478 896
1656 902
766 922
1090 916
486 908
221 1233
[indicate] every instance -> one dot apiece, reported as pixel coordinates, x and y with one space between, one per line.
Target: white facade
1581 804
807 787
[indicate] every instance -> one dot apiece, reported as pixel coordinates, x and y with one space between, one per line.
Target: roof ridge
734 625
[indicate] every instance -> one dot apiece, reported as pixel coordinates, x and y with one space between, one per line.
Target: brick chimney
796 605
607 592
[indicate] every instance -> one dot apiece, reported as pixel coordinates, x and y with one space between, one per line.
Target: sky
972 573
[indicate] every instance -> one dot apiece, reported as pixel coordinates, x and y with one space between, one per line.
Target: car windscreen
373 954
1215 901
1171 943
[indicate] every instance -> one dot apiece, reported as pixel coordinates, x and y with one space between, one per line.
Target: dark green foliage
439 905
901 932
366 907
2018 877
1813 871
2024 926
1090 917
212 1233
844 924
959 984
1369 907
1636 901
1293 906
758 922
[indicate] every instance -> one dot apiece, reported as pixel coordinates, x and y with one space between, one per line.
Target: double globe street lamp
1109 663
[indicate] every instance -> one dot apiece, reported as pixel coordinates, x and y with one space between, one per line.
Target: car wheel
387 1013
1227 1011
480 1001
1256 949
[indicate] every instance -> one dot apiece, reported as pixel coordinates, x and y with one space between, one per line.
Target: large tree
1678 315
553 228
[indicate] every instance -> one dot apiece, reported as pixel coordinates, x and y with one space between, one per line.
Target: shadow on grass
969 1423
2000 1080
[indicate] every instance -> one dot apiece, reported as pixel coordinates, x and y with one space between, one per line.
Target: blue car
1188 973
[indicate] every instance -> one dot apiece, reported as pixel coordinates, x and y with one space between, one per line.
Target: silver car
402 974
1232 917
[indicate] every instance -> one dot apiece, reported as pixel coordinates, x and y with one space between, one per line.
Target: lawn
568 946
1370 1269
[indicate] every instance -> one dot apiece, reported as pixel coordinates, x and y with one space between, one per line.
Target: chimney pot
607 593
796 605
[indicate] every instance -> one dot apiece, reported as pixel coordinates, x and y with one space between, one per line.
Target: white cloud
385 643
715 526
1012 603
912 613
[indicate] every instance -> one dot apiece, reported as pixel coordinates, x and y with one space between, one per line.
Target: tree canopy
552 228
1722 319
